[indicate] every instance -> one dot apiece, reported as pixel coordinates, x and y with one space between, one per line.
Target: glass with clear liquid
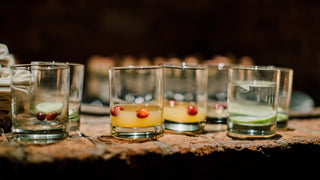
252 102
75 91
40 102
74 115
75 95
285 89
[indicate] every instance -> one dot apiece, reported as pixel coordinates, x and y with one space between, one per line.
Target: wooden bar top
95 153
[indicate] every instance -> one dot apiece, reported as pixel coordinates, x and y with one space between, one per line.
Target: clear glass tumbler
75 92
285 90
252 102
136 102
40 102
75 95
217 95
185 94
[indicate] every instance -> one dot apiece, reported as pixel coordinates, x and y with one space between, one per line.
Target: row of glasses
46 100
145 100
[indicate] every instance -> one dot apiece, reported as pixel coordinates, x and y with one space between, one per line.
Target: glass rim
134 67
184 65
255 68
75 64
220 66
58 62
34 66
270 67
281 68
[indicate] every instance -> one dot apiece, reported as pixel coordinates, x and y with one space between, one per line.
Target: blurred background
270 32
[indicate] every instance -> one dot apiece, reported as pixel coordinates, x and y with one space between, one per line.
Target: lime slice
47 107
251 119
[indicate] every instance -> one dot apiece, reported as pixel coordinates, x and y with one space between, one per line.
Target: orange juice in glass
136 115
185 94
136 102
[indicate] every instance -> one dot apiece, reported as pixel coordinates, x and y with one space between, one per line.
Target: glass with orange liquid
136 102
185 94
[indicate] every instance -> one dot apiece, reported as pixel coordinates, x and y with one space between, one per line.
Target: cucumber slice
47 107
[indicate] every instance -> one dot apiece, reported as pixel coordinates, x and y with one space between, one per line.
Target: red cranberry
172 103
192 110
41 116
119 108
220 106
52 116
142 113
114 111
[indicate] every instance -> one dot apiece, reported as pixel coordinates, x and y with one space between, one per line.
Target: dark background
273 32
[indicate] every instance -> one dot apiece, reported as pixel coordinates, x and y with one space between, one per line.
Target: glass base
138 134
215 127
74 125
39 136
184 127
245 131
282 124
216 120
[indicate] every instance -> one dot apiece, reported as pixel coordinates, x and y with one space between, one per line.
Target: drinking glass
252 102
185 94
40 102
217 95
75 95
285 89
136 102
75 92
